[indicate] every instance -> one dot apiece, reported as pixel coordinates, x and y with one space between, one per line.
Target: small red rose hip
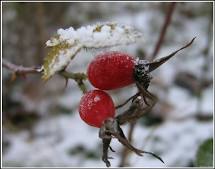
95 107
111 70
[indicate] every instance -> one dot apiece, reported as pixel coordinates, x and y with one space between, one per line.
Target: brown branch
20 70
164 29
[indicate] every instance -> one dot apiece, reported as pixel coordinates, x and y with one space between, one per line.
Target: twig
164 29
20 70
78 77
74 76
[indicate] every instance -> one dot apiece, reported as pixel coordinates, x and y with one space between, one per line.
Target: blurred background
41 124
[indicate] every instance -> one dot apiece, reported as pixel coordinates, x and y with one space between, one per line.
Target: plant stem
78 77
20 70
164 29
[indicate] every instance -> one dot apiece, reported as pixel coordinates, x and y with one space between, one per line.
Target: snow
97 36
52 142
207 101
183 102
177 143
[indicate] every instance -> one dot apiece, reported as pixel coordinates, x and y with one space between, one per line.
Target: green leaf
204 157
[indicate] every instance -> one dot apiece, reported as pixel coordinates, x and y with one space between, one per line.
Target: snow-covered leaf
68 42
58 58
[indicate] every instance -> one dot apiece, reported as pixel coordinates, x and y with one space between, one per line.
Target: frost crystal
96 99
92 36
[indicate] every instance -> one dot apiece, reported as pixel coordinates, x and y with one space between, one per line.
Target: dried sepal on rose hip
112 70
95 107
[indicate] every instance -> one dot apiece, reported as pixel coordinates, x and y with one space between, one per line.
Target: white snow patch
207 101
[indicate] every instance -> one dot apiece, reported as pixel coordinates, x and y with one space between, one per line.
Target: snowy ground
176 141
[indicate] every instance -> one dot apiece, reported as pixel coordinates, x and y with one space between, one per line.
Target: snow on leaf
68 42
53 41
58 58
107 35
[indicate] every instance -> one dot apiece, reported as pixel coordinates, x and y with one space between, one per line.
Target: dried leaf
58 58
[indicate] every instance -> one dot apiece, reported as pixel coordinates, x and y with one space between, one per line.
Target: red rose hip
95 107
111 70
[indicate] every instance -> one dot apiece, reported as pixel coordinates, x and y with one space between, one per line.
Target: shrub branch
19 70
